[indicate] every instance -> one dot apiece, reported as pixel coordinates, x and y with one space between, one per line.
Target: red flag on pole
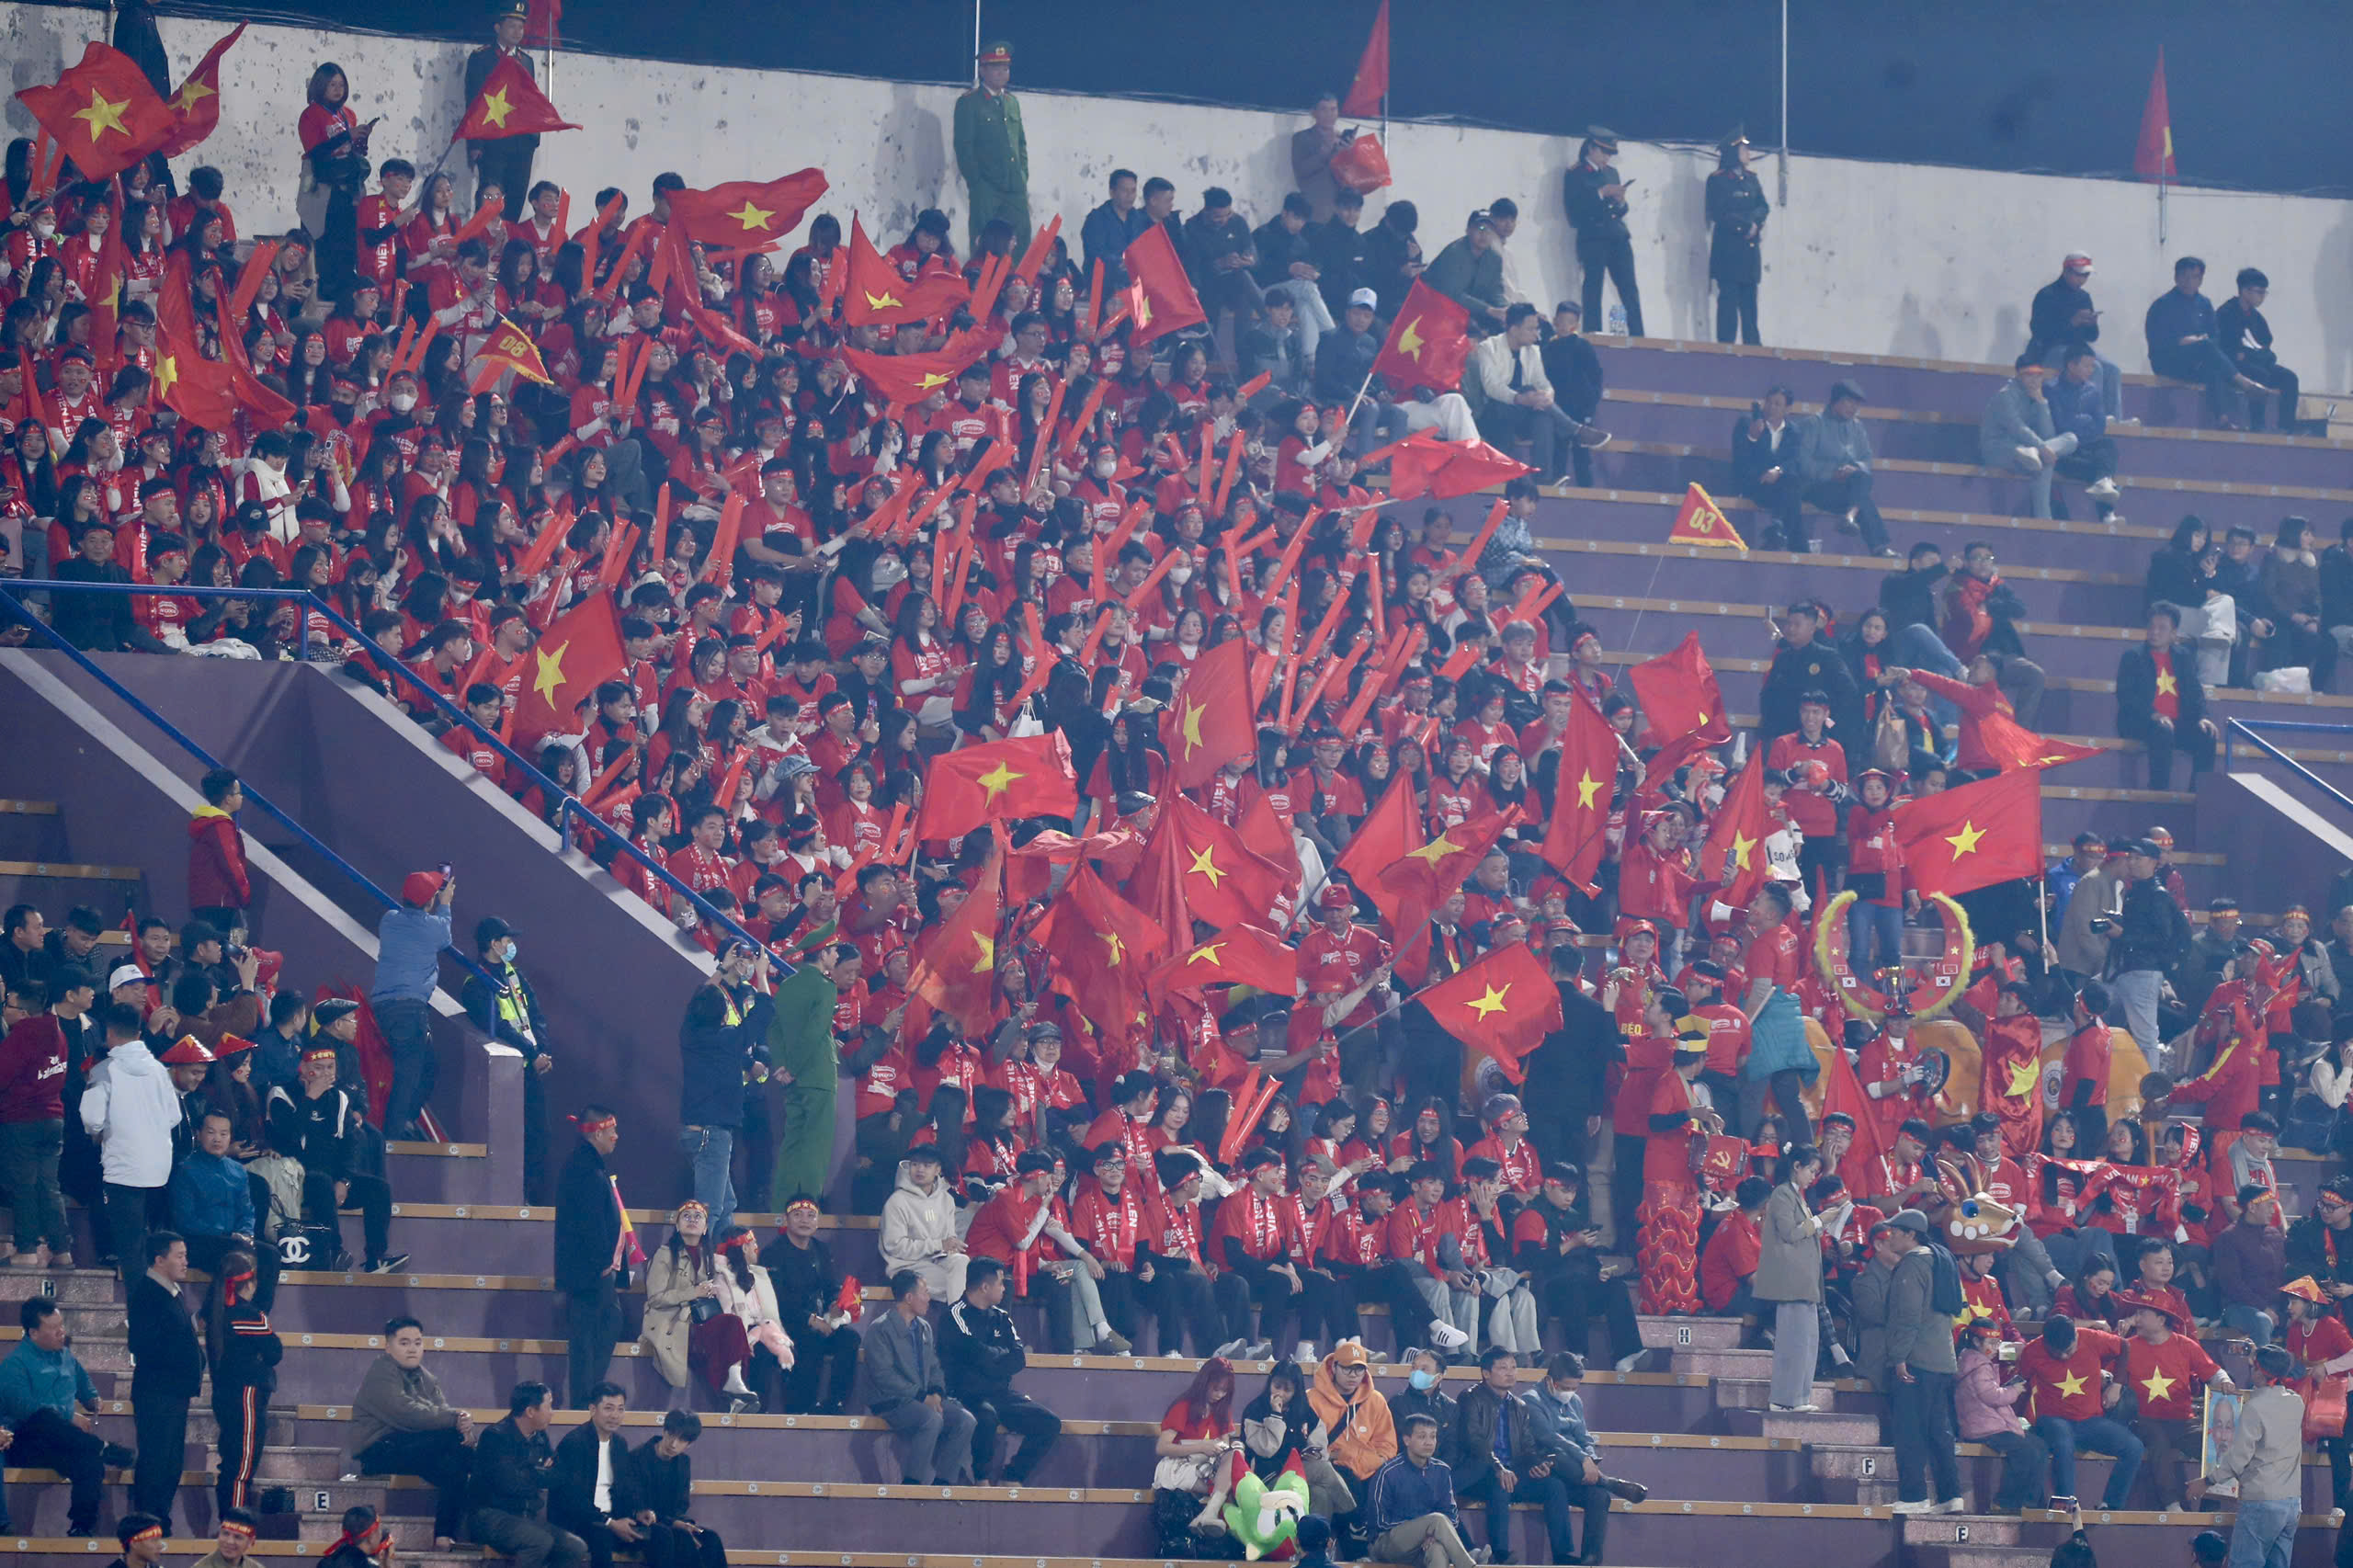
744 213
196 108
1974 837
1371 85
1502 1006
1429 342
1160 297
102 113
1680 694
510 104
2153 157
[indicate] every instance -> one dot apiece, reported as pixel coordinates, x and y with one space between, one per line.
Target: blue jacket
2080 408
1563 1421
210 1197
408 954
1777 1042
1403 1491
32 1379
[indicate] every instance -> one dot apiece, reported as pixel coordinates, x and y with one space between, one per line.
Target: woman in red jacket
219 886
1875 875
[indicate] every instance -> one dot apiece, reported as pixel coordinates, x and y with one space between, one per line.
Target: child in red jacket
219 886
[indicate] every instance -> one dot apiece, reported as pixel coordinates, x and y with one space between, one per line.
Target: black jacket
1593 215
481 1005
2050 323
572 1488
587 1226
2136 691
1575 369
1338 251
1567 1074
980 1352
666 1486
168 1363
319 1132
804 1278
711 1092
1751 457
1386 251
249 1359
511 1472
1278 248
2152 932
2307 1252
1474 1426
1737 212
1815 666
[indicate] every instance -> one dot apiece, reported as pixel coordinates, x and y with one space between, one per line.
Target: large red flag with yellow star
103 112
908 378
1210 722
510 104
957 973
196 108
1579 830
1103 947
874 294
1679 695
1002 782
746 211
1734 857
1159 297
580 651
1242 954
2012 746
1974 837
1428 343
1422 878
1218 878
1503 1005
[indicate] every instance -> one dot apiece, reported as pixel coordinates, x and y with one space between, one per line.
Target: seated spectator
1983 1411
1197 1459
1505 1460
2184 342
2078 409
506 1491
1410 1514
1469 271
1835 459
665 1481
1286 270
2161 702
2062 317
901 1380
1364 1438
981 1353
1506 384
919 1230
1728 1263
142 1537
50 1410
1280 1430
2245 339
212 1206
403 1425
1575 369
2016 433
2290 580
236 1539
808 1285
593 1490
365 1540
747 1322
2250 1264
320 1126
678 1274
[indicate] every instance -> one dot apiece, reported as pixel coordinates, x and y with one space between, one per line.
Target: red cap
1334 896
421 887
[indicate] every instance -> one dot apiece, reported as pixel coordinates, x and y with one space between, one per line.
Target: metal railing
568 805
2234 730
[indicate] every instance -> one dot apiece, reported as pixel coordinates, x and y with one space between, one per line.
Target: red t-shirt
1773 955
2070 1387
2167 1377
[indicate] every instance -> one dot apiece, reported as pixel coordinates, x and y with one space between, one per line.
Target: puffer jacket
1981 1406
916 1226
131 1109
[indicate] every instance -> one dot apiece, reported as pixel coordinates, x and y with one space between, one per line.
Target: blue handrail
2233 728
269 807
569 805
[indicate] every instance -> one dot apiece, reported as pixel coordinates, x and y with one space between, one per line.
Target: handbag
1361 163
702 1309
1890 747
2323 1405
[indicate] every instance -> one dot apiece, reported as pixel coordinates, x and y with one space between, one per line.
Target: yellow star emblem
1189 718
2166 685
1436 849
931 378
1411 342
1144 309
1118 948
102 116
2070 1386
1206 953
2159 1385
1741 844
550 674
495 108
882 301
1207 867
1703 716
1588 786
987 959
996 779
185 99
751 217
1965 841
1493 1002
168 374
2026 1078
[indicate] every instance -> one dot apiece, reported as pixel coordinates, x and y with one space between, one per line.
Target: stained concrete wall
1877 258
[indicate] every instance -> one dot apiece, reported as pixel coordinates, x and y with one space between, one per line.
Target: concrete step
1811 1427
67 1286
1681 1333
1742 1365
1756 1394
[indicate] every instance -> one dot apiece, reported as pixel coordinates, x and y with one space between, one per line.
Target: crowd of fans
793 661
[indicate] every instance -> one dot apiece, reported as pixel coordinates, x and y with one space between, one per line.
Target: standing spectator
507 1010
1983 1413
2151 937
32 1122
1788 1274
505 161
245 1352
981 1353
919 1224
50 1408
992 150
905 1385
1311 156
2266 1460
1596 196
2245 339
2016 433
408 966
507 1493
218 885
808 1286
665 1479
2161 702
402 1424
590 1267
1921 1367
167 1371
1737 215
130 1106
1505 1460
804 1056
24 951
721 1044
2167 1370
2182 344
593 1491
1410 1515
321 1126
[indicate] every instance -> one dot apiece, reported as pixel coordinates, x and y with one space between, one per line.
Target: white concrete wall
1879 258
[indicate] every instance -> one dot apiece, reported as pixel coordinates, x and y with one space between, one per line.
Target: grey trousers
1797 1343
934 1445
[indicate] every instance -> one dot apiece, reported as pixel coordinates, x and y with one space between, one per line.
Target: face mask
1422 1380
404 402
1105 470
512 948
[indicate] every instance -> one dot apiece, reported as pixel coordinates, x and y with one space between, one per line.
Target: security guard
1595 194
506 159
992 150
1737 215
510 1015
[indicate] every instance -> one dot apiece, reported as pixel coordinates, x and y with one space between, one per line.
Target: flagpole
1784 159
976 43
1350 423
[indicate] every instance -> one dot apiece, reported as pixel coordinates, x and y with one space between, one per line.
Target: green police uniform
800 1041
993 154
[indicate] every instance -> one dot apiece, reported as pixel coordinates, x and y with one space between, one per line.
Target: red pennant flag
1001 781
1428 343
579 651
1240 955
1160 297
1701 521
103 113
196 108
1578 832
2153 155
1502 1006
1212 721
1389 832
874 294
1422 878
910 378
1975 836
744 213
510 104
511 348
1734 857
957 973
1679 695
1372 83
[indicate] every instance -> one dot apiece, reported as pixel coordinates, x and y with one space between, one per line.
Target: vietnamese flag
873 294
1415 463
908 378
957 970
1210 722
1422 878
1578 833
1372 83
1103 947
579 651
1701 521
2013 745
103 113
746 212
1842 1091
1679 695
1428 343
202 392
1242 954
1974 837
510 104
1734 857
1160 296
1001 781
1474 466
196 108
1502 1006
1389 832
2153 154
1222 883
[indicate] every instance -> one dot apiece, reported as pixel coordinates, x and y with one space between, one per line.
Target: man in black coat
2159 701
1805 664
589 1267
593 1490
979 1355
506 1494
1767 468
1575 370
1568 1074
1596 196
167 1373
664 1483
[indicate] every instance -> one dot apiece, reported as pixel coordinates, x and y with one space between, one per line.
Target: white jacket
916 1227
131 1109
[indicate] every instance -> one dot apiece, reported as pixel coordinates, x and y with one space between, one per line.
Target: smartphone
445 870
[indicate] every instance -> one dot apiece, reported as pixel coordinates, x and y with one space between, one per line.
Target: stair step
1836 1429
1681 1333
64 1286
290 1465
1963 1529
1724 1363
1756 1394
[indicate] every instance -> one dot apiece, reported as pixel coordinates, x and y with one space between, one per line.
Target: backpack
1945 1296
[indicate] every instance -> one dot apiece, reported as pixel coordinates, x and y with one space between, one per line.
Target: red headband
153 1532
230 1526
589 1128
736 1243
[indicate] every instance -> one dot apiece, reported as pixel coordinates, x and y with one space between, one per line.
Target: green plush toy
1264 1518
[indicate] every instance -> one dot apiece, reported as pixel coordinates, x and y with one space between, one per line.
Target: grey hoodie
131 1109
916 1226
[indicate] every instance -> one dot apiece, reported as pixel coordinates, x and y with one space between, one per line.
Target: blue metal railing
568 805
2234 730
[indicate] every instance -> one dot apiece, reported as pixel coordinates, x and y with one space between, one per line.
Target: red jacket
33 1070
216 861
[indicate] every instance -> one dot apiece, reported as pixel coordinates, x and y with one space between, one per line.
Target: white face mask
1106 469
404 402
512 948
1180 575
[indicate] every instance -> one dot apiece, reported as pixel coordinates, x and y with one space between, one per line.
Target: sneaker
743 1404
1305 1355
2103 489
1446 1336
1113 1342
392 1264
1230 1348
1921 1507
2132 422
1797 1409
115 1456
1629 1363
1483 1554
2031 458
1953 1505
1262 1351
1591 438
1838 1354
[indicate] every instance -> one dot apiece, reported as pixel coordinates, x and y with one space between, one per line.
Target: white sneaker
1446 1336
1306 1352
2031 457
1953 1505
2133 422
1627 1363
2102 489
1230 1348
1921 1507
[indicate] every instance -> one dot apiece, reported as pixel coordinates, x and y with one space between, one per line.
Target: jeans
2025 1461
28 1156
1310 318
2264 1535
1924 1437
2102 1432
46 1440
2111 378
2252 1321
1796 1345
2207 365
408 1036
710 1157
1546 1493
1550 432
1874 935
2136 991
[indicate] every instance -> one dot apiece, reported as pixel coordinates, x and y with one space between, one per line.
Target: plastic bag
1361 163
